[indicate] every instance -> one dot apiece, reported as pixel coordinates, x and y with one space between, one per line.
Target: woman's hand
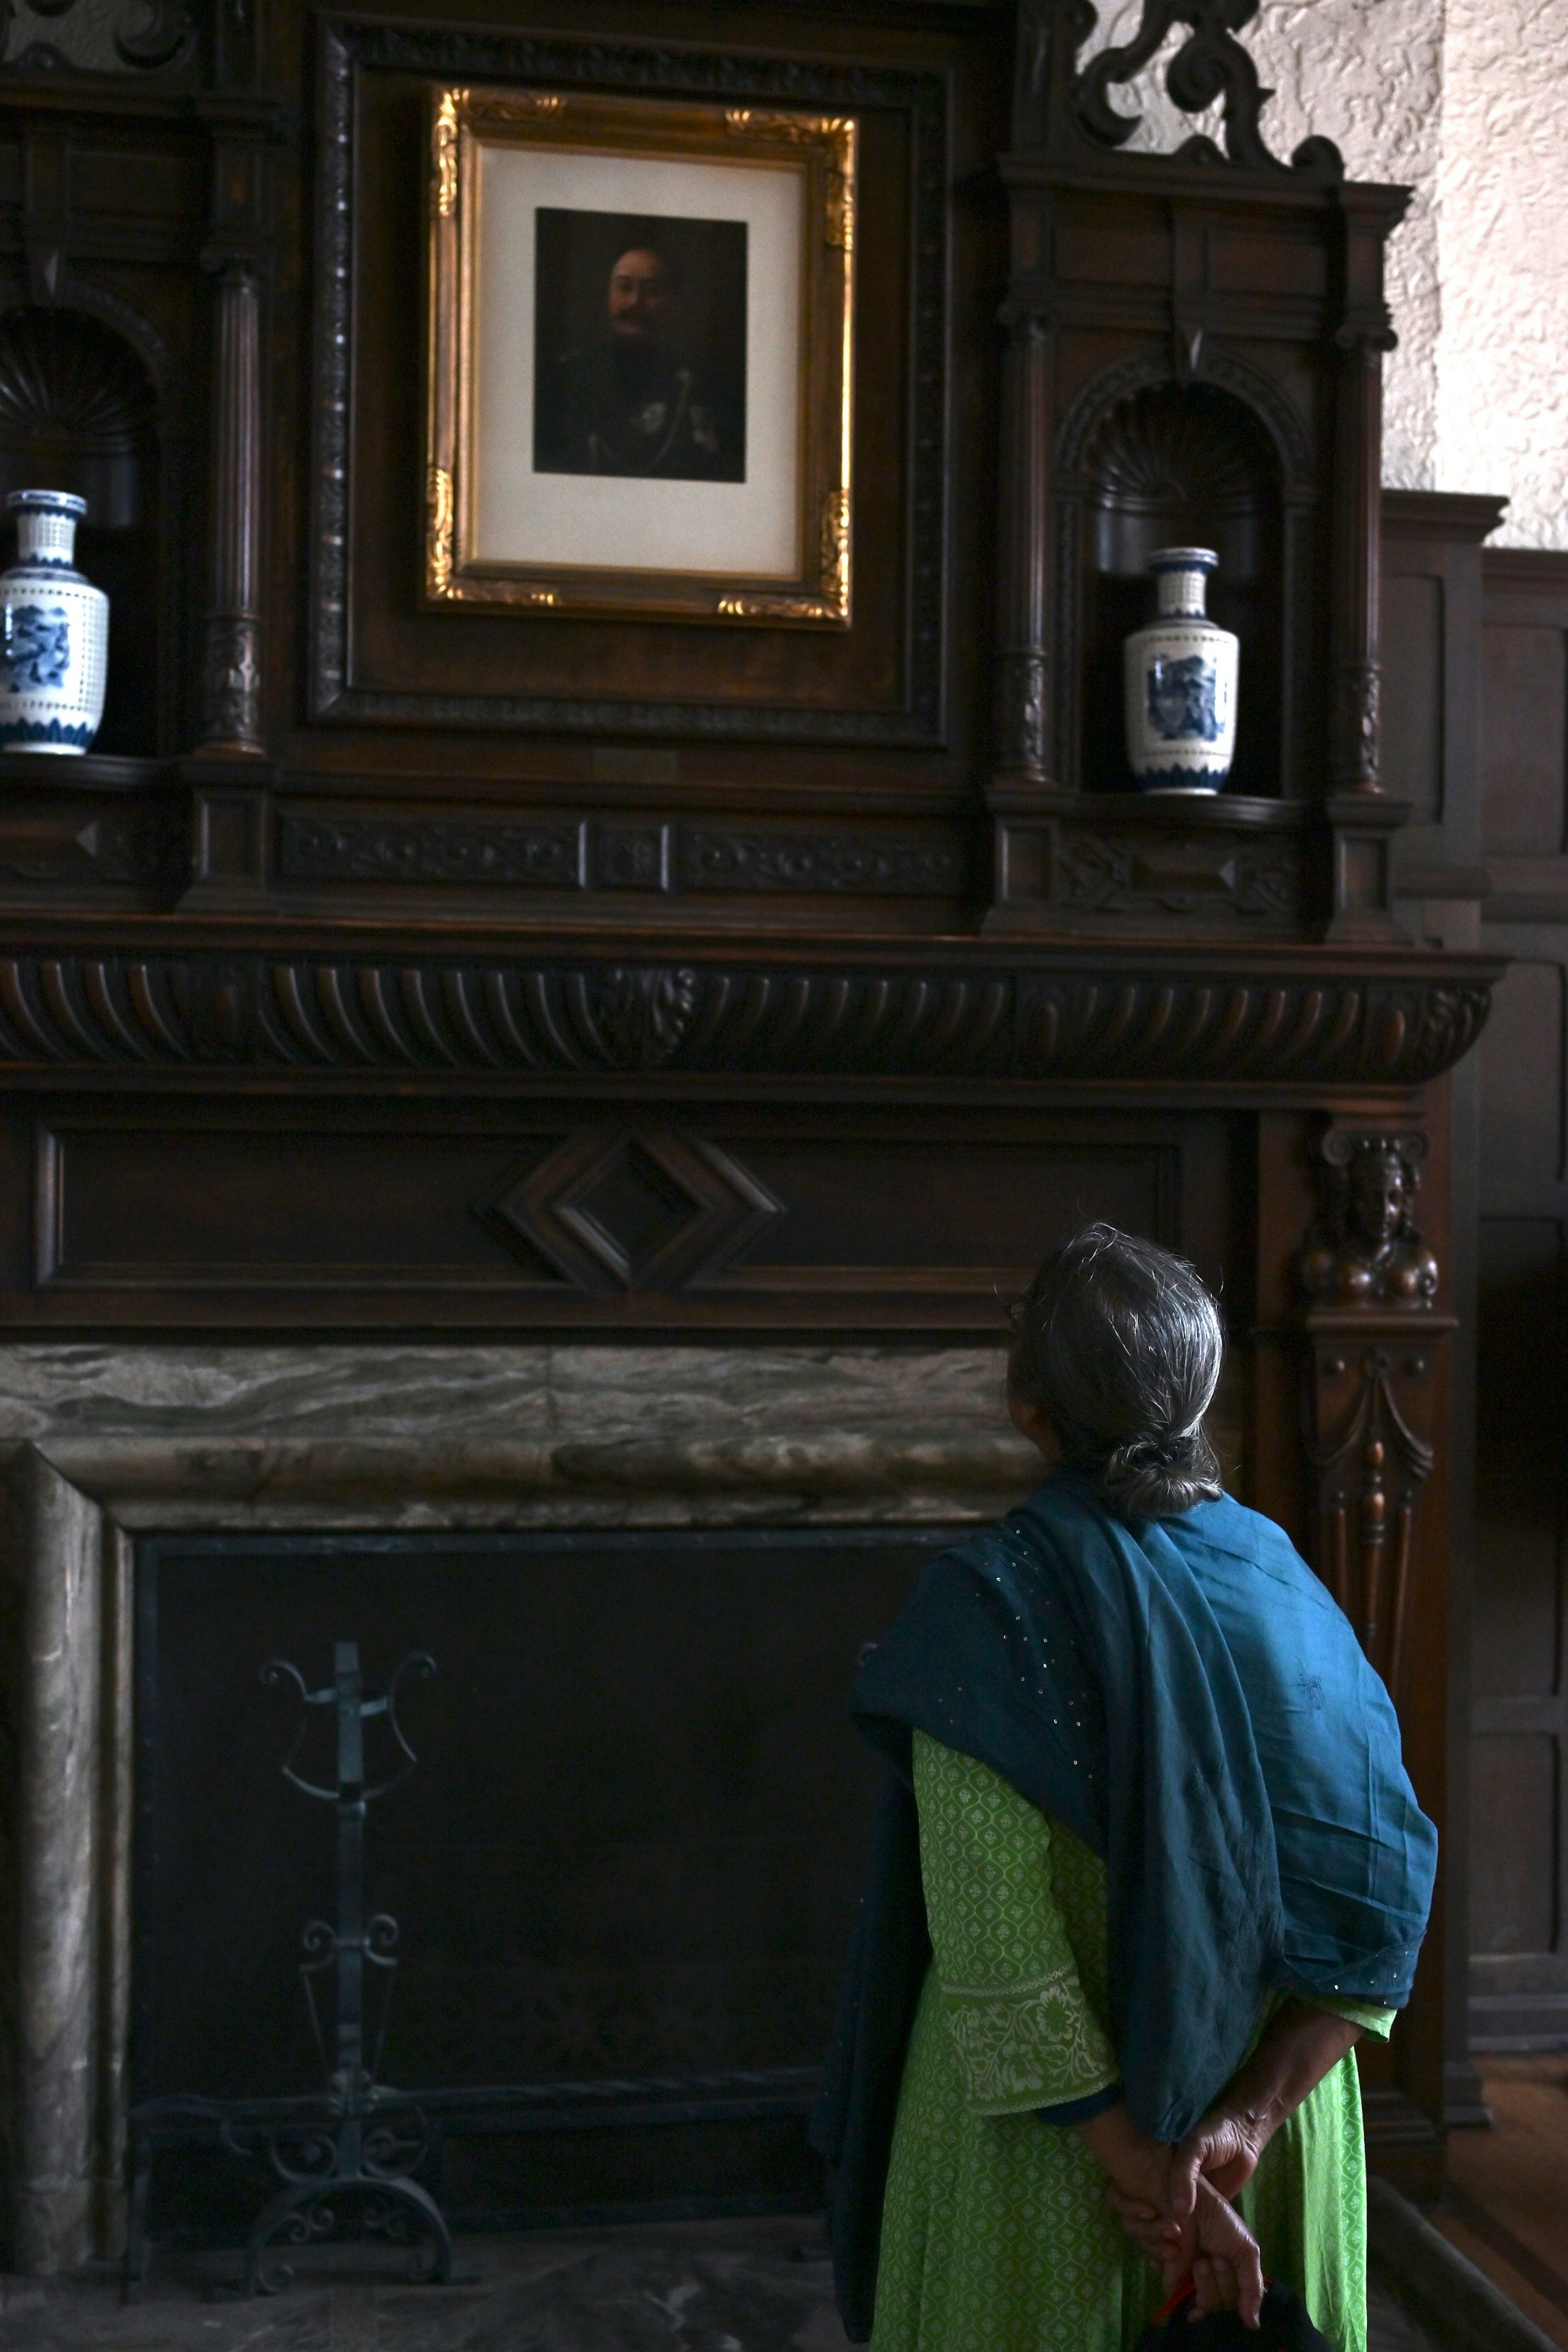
1222 2149
1212 2244
1227 2270
1296 2049
1158 2235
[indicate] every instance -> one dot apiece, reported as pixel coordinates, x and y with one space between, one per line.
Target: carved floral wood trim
586 854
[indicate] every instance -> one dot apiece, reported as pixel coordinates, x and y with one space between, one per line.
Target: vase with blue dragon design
55 648
1181 683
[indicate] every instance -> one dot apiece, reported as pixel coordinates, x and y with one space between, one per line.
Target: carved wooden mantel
429 975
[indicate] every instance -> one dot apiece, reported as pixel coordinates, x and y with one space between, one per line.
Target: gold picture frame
714 353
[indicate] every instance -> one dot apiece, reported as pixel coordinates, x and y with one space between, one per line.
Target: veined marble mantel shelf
184 1436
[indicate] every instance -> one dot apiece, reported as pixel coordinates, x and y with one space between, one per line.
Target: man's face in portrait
641 297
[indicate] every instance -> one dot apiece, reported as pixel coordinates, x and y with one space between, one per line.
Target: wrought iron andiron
345 2162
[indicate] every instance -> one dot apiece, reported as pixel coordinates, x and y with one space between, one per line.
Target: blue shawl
1186 1696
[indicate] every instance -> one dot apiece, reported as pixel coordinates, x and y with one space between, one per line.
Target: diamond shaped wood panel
636 1207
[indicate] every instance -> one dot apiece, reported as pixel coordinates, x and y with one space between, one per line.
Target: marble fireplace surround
99 1443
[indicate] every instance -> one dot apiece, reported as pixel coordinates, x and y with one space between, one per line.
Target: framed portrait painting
641 327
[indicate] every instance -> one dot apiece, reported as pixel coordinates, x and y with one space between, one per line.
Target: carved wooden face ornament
1379 1187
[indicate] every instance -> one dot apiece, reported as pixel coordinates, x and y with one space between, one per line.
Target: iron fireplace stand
345 2158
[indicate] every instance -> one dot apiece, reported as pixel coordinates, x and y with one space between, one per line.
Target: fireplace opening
624 1872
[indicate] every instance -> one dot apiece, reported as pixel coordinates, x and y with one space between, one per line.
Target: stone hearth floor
713 2287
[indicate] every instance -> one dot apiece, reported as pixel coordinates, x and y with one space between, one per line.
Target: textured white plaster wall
1465 101
1502 404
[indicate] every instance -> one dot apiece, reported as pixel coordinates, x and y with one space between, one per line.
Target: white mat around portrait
751 528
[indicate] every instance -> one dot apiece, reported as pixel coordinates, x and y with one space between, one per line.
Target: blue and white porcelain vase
1181 683
54 653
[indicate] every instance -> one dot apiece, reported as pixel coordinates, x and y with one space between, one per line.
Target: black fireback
630 1851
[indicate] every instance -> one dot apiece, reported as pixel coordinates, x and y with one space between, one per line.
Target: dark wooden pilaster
1370 1389
1374 1363
230 683
1023 681
231 667
1361 822
1358 465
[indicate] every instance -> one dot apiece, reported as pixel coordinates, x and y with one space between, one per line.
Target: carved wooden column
231 673
1361 818
1023 701
231 667
1021 791
230 819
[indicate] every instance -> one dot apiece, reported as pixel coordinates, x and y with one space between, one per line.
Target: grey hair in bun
1120 1344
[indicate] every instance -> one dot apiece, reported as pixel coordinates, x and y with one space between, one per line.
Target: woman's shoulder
1235 1531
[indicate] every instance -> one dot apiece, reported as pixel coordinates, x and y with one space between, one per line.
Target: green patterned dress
996 2235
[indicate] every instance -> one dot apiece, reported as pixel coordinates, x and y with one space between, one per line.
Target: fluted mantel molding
946 1013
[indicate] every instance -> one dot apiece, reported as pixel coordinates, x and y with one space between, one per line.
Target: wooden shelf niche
78 412
1175 466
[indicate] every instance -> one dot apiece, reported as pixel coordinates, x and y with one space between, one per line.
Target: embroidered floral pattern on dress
1032 2046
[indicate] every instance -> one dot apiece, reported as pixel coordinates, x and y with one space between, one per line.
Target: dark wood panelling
681 1218
178 1209
1519 1846
1523 1086
1432 598
1520 1704
1515 1797
1432 637
1523 768
1413 623
1519 1470
875 1206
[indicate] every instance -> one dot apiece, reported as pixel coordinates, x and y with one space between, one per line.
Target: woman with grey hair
1147 1867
